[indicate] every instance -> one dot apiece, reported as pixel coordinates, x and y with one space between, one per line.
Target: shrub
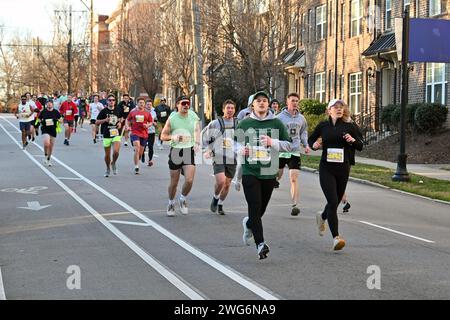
429 118
313 120
386 114
313 107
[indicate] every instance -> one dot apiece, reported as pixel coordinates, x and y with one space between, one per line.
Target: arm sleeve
314 136
304 134
358 144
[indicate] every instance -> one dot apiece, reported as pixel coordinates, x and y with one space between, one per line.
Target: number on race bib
113 132
335 155
49 122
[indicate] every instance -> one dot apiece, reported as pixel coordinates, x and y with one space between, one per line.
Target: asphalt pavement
67 232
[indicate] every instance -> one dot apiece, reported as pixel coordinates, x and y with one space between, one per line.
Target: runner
68 110
139 120
111 119
82 110
275 106
33 106
260 133
37 110
49 118
94 110
219 142
182 129
297 129
339 136
126 105
151 133
245 113
163 112
24 113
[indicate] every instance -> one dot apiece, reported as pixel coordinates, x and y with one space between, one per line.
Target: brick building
346 49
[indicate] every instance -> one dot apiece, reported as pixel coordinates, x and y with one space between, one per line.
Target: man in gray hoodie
297 128
219 143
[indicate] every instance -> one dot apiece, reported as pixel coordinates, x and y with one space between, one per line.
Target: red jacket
68 110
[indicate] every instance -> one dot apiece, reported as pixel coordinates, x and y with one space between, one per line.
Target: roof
296 57
384 43
286 54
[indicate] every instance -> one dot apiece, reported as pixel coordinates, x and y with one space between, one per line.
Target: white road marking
224 269
2 288
156 265
34 206
140 224
67 178
395 231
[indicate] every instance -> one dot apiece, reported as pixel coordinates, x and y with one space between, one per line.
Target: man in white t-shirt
25 115
94 110
33 106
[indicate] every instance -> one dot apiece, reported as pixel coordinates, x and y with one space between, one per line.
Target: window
321 22
356 18
355 92
388 16
435 7
310 26
436 83
302 29
319 84
407 5
294 31
330 6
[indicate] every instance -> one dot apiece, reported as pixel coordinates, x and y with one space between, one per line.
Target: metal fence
373 130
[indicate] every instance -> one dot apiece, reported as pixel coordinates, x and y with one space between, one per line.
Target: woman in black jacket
340 137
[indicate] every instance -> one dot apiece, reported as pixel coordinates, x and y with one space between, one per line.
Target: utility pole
200 98
69 55
91 58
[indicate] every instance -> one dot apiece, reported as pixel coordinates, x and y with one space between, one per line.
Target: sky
34 15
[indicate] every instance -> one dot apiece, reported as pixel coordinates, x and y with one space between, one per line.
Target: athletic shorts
293 163
25 126
69 123
228 169
107 142
93 121
32 123
142 141
181 157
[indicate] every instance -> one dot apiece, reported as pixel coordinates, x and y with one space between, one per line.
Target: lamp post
402 173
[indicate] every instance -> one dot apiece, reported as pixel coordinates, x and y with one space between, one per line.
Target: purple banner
429 40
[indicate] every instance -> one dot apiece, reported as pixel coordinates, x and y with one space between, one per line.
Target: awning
385 43
288 54
295 60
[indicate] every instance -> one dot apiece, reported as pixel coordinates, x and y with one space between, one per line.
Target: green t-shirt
185 127
262 162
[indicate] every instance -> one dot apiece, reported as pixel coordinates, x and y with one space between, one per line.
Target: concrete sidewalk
427 170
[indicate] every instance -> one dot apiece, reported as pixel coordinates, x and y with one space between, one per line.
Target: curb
374 184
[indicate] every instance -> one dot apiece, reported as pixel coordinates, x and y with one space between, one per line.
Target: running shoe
263 250
95 141
346 207
237 184
213 205
150 163
183 207
295 211
171 210
338 243
50 163
45 162
248 234
320 224
220 210
136 170
125 144
107 173
66 142
277 184
24 146
32 139
114 168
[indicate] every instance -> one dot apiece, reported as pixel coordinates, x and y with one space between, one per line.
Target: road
116 236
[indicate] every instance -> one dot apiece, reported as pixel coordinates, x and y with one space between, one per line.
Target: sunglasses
185 103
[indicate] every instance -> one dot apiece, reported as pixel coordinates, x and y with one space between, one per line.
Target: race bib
140 118
163 114
127 109
49 122
335 155
259 153
113 132
68 112
227 143
185 139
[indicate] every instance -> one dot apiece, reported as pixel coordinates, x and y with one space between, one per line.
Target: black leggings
257 193
333 181
150 144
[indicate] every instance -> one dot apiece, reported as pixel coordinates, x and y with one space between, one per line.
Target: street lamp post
402 173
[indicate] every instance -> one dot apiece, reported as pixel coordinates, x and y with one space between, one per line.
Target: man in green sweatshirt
261 136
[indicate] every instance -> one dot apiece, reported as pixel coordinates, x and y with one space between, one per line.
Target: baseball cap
334 101
181 98
260 93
